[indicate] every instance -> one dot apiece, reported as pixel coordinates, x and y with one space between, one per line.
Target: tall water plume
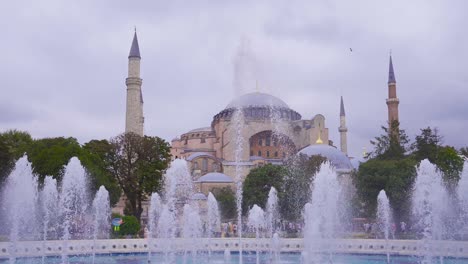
271 211
154 214
74 200
20 199
256 220
191 229
49 197
430 201
238 118
321 214
73 204
178 190
213 217
178 186
430 205
101 213
463 197
384 216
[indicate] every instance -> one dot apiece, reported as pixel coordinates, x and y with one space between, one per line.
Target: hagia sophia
252 130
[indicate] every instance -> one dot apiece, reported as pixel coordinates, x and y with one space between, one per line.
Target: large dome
335 156
256 100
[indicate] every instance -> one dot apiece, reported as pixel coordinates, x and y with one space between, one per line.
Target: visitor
403 227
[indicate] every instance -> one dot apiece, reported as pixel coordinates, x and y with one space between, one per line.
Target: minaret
392 101
134 119
343 129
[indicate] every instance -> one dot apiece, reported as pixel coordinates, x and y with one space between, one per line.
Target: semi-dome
215 177
337 158
256 100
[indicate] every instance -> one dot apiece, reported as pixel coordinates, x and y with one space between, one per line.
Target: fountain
256 221
213 221
463 197
384 217
20 199
430 205
321 214
271 211
180 229
101 213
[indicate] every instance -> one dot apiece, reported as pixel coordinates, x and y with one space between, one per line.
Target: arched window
267 141
276 154
260 142
259 153
268 153
205 164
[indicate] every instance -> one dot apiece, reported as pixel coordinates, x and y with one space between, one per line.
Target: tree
13 145
427 144
258 183
94 158
137 164
390 145
18 142
297 182
396 177
6 161
227 203
49 156
451 165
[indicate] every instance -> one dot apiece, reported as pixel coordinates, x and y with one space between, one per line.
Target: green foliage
93 157
49 156
391 145
451 165
17 142
137 164
427 144
297 182
227 203
6 161
130 227
13 145
396 177
258 183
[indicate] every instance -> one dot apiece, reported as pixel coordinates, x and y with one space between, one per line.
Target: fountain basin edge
458 249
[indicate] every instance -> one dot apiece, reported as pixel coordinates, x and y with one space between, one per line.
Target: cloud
64 64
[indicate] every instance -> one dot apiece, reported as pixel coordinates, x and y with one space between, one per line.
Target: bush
130 226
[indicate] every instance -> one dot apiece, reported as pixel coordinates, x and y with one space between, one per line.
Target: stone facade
252 130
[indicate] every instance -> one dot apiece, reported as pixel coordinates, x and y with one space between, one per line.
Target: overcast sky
64 63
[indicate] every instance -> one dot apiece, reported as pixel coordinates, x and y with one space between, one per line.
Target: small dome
335 156
256 99
199 196
215 177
